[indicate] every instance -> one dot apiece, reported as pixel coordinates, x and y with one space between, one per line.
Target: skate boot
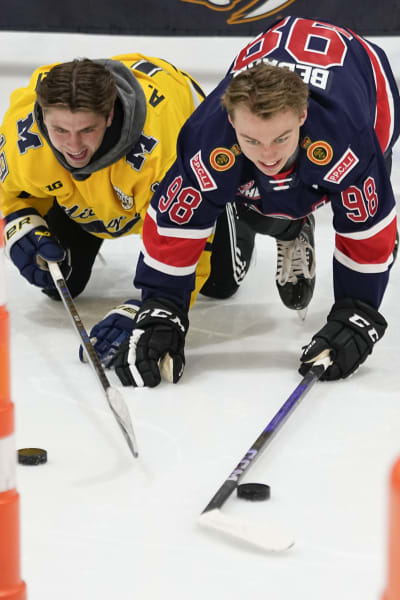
295 272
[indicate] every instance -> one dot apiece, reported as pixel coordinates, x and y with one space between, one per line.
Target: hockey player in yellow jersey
82 149
95 135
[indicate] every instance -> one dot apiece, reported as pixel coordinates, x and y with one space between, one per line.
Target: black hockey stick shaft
269 432
113 397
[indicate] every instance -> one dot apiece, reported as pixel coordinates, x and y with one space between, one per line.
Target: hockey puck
32 456
253 491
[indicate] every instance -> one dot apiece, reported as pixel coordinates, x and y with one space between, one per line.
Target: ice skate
295 273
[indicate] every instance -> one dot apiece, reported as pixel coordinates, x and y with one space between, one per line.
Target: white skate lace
295 259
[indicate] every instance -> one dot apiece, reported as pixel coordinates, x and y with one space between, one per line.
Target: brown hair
81 84
265 90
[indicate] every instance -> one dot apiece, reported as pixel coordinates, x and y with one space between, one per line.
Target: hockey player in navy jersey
307 114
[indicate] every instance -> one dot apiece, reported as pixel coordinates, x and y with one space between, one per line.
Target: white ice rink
97 524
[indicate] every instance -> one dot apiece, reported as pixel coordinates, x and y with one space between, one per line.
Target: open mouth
78 156
270 165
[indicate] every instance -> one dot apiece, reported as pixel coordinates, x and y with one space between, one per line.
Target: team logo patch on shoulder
345 164
222 159
320 152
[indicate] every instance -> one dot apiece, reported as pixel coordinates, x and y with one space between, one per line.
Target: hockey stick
268 536
113 396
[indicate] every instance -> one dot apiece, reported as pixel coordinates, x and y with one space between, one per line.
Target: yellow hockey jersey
112 201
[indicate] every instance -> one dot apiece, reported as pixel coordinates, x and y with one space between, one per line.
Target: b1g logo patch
222 159
320 152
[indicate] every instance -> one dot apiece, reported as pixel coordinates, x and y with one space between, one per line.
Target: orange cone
393 567
11 585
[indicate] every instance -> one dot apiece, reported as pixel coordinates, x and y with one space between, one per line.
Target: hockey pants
83 247
233 246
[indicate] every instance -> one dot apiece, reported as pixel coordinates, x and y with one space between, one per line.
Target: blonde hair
81 84
265 90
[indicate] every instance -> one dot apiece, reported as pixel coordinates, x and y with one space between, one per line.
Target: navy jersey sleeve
364 219
355 124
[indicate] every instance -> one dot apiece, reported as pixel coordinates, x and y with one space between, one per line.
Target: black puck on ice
32 456
253 491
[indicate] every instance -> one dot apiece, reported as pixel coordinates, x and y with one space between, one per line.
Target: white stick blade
120 409
268 536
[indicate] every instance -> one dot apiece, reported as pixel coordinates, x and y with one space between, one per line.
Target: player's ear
230 121
303 117
110 117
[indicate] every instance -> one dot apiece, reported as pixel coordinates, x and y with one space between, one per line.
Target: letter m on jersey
137 155
26 138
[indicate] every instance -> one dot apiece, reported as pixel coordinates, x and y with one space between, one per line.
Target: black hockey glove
352 330
156 346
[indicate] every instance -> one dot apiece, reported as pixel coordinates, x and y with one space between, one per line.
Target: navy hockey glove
156 346
108 335
353 328
30 245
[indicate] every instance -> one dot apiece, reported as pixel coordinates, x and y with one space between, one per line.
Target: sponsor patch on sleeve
344 165
222 159
204 179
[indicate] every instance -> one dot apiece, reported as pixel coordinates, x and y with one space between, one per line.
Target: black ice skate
295 272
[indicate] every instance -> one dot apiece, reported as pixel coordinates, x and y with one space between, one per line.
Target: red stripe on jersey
176 252
383 116
370 251
282 175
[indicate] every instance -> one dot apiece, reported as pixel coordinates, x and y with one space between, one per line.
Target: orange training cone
11 585
393 567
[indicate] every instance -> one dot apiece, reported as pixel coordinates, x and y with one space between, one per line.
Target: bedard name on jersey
343 157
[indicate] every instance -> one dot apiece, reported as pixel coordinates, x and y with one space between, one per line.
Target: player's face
77 135
268 143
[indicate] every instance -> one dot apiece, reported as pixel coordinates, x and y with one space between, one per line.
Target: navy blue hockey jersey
352 123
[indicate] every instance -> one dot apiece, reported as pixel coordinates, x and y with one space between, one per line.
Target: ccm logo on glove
161 314
350 334
361 322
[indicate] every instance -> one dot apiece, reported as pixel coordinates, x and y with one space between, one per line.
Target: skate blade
302 313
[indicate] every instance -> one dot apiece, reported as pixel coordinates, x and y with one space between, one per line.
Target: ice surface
96 523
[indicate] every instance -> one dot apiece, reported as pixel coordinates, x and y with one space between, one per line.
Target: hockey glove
108 335
156 346
29 244
352 330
